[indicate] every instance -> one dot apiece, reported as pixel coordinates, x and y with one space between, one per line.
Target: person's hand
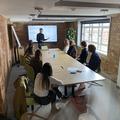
78 58
48 38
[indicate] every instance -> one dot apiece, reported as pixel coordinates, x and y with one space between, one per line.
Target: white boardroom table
61 63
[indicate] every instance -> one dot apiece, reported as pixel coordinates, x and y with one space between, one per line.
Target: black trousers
57 92
40 44
50 98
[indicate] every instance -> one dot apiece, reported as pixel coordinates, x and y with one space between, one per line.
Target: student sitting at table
66 45
36 62
29 50
72 49
43 91
84 53
93 59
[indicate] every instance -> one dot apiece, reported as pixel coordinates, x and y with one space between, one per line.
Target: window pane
86 34
87 25
95 25
83 32
106 24
95 35
104 48
105 36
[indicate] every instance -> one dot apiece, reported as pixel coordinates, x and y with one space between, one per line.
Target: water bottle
54 55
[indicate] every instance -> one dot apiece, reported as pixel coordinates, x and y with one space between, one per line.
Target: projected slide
49 31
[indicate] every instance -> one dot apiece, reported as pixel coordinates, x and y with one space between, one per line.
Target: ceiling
19 10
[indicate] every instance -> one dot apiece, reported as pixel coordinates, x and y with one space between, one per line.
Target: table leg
65 91
73 90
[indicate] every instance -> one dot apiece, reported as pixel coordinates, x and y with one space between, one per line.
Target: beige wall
5 61
111 62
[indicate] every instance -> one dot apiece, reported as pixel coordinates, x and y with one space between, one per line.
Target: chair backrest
19 101
31 116
29 70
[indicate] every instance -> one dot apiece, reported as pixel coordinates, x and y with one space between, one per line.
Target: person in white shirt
43 91
66 45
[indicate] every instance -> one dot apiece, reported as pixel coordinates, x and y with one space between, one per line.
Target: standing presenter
40 38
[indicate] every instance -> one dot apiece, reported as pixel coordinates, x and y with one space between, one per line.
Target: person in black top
29 50
36 62
72 51
40 38
95 61
84 53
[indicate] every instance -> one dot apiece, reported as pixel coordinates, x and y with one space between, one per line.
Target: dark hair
30 43
41 29
47 72
70 42
83 43
91 48
29 50
38 54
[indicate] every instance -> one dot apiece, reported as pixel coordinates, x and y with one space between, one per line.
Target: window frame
100 41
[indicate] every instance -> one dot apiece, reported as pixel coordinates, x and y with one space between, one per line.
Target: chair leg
65 91
73 90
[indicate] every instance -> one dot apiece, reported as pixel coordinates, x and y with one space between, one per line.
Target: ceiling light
32 14
104 10
86 4
39 10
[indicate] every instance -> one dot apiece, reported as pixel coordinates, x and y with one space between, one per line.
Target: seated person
72 49
66 45
84 53
29 50
43 92
93 60
36 62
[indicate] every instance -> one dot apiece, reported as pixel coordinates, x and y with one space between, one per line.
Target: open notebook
73 70
45 47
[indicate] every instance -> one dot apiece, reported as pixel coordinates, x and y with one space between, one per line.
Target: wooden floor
103 103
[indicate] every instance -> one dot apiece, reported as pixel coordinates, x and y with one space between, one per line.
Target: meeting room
59 60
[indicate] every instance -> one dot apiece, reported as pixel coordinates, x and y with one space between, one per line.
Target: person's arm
26 52
83 56
93 64
54 81
73 52
37 37
44 39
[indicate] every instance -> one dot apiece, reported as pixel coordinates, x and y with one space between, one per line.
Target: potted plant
71 34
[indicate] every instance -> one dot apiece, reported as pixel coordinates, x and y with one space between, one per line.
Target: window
97 33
